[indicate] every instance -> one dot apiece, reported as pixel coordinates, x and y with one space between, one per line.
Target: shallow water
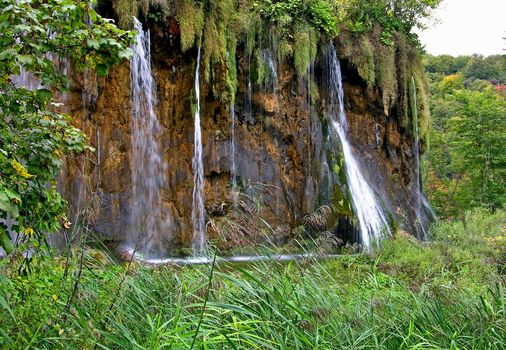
238 259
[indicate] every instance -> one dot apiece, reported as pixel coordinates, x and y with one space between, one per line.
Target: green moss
341 195
392 223
386 76
302 48
262 70
314 38
313 90
403 80
360 52
422 95
125 10
294 33
232 69
213 46
190 17
285 50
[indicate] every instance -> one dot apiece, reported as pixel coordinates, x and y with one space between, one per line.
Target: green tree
491 68
34 35
467 159
476 140
445 64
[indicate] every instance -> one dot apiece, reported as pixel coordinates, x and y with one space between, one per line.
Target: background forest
466 163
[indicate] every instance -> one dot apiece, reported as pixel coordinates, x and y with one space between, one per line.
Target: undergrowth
447 294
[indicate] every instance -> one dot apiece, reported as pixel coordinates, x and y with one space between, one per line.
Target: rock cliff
289 167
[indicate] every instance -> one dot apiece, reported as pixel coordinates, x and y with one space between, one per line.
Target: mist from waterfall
150 227
423 210
369 213
198 210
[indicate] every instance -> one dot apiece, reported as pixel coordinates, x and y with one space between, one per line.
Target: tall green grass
448 294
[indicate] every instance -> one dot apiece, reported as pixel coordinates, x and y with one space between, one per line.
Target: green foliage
447 294
491 69
466 165
476 139
33 137
320 14
445 64
392 16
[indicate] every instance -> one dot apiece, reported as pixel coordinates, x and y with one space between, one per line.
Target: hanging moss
190 17
214 45
360 52
285 50
262 71
125 10
232 68
314 38
302 48
386 77
404 74
422 102
292 30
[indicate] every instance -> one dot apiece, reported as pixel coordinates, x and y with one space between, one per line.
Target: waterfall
233 165
150 227
423 210
268 60
198 211
26 79
367 210
248 109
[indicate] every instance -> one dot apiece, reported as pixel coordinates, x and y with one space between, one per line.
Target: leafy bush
319 13
35 36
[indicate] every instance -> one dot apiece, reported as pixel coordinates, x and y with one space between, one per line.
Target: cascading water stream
422 208
233 165
248 109
266 56
150 227
367 210
198 210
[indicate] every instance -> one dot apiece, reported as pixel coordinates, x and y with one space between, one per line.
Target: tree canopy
466 164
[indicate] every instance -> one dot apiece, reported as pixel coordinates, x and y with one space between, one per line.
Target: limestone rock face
287 163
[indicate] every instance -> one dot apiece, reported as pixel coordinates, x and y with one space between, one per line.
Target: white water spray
150 228
198 210
367 210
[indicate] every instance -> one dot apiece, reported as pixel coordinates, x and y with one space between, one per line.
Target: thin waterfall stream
198 210
421 203
369 213
233 165
150 227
